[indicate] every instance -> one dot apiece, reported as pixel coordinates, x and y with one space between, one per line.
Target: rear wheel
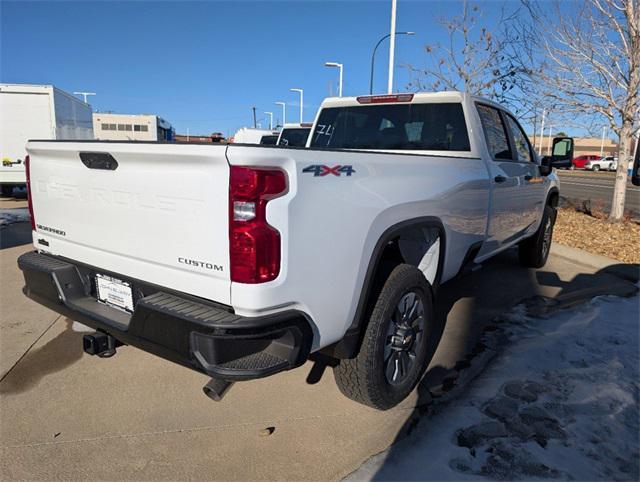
595 168
534 251
395 351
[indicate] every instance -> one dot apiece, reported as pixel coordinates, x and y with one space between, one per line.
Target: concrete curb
583 257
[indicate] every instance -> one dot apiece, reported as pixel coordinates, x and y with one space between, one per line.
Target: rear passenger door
507 221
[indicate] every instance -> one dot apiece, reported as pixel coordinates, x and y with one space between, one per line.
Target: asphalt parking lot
67 415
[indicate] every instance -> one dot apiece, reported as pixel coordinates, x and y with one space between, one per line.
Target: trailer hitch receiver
100 344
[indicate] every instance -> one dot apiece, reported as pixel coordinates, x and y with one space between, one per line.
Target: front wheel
395 350
534 251
595 168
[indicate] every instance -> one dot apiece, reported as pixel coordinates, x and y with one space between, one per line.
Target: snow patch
561 401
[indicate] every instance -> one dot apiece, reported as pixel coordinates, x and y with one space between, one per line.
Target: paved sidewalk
64 414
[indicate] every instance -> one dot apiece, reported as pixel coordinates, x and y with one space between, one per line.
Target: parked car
294 135
581 161
608 163
273 254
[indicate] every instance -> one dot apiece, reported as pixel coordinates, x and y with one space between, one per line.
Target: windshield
437 127
295 137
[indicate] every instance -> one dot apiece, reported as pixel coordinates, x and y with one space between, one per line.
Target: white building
126 127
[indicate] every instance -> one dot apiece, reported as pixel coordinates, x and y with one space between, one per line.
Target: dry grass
593 233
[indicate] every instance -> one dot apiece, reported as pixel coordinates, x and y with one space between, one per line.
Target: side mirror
561 155
635 173
562 150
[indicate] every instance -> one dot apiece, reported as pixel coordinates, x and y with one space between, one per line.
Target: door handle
499 179
528 177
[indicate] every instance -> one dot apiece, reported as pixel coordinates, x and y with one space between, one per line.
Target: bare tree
479 59
581 59
589 64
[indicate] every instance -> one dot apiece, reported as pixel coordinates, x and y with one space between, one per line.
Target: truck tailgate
160 216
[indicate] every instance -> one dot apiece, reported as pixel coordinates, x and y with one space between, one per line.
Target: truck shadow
55 355
469 308
15 234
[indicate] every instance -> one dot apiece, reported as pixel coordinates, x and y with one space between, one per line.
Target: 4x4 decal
320 170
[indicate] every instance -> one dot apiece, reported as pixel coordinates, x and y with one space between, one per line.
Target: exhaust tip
216 389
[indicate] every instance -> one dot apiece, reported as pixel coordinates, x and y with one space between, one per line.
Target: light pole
284 111
301 92
544 112
604 130
84 95
549 141
392 45
340 66
373 56
270 114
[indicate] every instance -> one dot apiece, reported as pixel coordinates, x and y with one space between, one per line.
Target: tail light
27 169
254 245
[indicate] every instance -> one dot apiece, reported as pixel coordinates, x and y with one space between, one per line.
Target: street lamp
340 66
270 114
392 46
284 111
301 92
373 56
84 95
604 133
544 113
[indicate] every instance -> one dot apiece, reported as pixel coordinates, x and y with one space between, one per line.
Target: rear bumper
196 333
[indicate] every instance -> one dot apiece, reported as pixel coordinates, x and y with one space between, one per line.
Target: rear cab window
269 140
294 137
411 126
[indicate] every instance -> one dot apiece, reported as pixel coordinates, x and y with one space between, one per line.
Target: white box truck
36 112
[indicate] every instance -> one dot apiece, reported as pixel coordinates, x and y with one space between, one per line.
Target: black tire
534 251
365 377
7 191
595 168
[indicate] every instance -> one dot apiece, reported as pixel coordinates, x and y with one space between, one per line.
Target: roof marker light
384 99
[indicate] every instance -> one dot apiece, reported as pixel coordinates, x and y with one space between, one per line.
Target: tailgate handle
99 160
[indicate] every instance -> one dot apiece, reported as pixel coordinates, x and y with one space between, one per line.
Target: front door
533 184
507 214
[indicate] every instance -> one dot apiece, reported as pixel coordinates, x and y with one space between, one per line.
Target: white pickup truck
240 261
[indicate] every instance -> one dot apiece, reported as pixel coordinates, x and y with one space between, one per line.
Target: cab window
520 141
494 132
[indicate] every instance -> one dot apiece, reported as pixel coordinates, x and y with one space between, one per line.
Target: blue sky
203 65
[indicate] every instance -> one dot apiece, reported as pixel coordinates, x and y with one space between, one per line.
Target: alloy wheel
404 338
